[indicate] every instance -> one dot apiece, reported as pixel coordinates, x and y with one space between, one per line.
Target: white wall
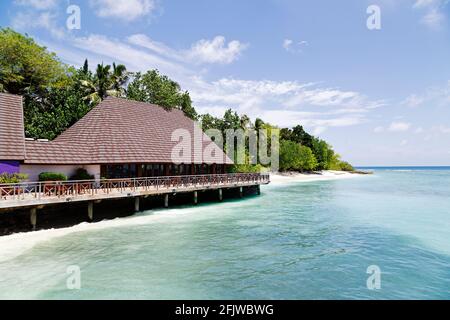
33 170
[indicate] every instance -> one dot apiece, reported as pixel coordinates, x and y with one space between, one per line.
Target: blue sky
380 97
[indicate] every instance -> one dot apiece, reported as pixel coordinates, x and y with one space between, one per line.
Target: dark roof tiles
124 131
12 140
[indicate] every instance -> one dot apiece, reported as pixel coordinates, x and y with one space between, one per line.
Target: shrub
12 177
82 174
52 176
345 166
245 168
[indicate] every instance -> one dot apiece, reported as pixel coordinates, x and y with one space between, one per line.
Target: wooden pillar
195 197
136 204
91 211
220 195
241 192
33 217
258 190
166 200
167 170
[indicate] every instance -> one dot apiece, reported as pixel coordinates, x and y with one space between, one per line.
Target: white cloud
403 142
47 20
287 43
135 59
216 50
127 10
201 52
413 101
441 129
438 96
434 16
425 3
419 130
37 4
433 19
399 126
291 46
269 100
378 129
160 48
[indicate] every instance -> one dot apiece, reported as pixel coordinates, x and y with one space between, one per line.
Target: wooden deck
38 194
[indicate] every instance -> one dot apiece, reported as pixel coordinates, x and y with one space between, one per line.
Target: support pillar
241 192
136 204
91 211
33 217
166 200
220 195
258 190
195 197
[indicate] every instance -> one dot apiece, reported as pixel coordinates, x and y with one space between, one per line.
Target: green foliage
57 109
27 68
296 157
152 87
307 159
105 82
345 166
52 176
246 168
12 177
82 174
321 151
289 155
297 134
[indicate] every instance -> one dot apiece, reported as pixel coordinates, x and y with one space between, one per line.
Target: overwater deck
39 194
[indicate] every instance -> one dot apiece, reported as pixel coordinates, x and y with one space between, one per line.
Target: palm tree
106 83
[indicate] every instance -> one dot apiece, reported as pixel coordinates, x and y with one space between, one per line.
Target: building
116 139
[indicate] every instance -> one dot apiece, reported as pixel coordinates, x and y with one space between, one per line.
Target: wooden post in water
91 211
241 192
136 204
166 200
195 197
258 190
220 195
33 217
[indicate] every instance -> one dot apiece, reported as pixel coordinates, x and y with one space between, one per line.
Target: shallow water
310 240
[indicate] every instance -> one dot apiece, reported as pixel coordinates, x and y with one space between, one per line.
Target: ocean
302 240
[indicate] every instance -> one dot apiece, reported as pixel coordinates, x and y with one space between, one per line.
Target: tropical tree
56 109
289 155
152 87
307 159
105 82
27 68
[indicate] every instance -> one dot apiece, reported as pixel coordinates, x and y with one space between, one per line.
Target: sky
379 96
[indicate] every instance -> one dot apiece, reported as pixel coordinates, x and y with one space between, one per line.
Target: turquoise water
310 240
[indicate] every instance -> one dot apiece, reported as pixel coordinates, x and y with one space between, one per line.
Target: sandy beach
290 177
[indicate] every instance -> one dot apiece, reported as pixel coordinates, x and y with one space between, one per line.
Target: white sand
289 177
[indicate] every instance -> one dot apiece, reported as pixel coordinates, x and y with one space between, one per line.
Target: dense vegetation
57 95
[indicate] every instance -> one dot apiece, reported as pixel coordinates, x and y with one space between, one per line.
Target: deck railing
39 190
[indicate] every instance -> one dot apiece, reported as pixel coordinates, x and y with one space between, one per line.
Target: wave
14 245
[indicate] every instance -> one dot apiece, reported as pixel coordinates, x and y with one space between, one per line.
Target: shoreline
325 175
